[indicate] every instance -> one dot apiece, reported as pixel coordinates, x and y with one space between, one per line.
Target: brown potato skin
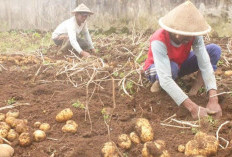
64 115
39 135
25 139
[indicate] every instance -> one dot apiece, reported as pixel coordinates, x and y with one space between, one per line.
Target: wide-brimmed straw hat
82 9
185 19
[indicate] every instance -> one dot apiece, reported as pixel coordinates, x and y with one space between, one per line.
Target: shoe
155 87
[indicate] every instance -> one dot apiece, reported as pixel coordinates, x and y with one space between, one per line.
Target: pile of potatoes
202 145
12 128
143 132
65 116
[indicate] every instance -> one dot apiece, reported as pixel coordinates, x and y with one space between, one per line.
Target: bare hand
213 105
85 54
195 110
214 108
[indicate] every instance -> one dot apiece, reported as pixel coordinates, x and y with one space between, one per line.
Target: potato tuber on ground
12 135
144 129
155 149
70 126
24 139
109 150
13 113
39 135
124 141
6 150
4 128
11 121
181 148
64 115
134 138
202 144
44 127
37 124
2 116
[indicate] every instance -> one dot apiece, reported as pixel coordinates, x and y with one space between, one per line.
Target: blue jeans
189 66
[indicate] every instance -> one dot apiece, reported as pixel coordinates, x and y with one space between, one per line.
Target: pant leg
190 65
152 75
83 44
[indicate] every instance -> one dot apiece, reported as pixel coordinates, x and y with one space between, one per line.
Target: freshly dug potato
6 150
2 116
203 144
64 115
37 124
109 150
44 127
228 73
11 121
12 135
181 148
69 128
134 138
24 139
4 125
144 129
124 141
72 122
155 149
21 127
13 113
3 133
39 135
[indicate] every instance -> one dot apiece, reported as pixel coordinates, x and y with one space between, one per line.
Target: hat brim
183 32
88 12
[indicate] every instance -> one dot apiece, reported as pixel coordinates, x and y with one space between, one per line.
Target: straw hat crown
185 19
82 8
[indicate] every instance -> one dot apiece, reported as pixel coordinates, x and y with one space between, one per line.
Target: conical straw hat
185 19
82 8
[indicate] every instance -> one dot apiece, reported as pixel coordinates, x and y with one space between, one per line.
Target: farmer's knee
214 52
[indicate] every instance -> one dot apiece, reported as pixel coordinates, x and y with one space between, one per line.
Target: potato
203 144
6 150
134 138
37 124
72 122
39 135
181 148
11 121
64 115
109 150
13 113
12 135
155 149
228 73
69 128
44 127
24 139
4 125
124 141
21 127
144 129
2 116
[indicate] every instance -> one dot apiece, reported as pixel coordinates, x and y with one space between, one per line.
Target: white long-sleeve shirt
71 28
162 63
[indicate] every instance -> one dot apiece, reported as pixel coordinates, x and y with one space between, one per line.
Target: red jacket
175 54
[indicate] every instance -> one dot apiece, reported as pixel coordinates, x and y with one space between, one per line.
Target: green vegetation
24 41
11 101
105 115
78 104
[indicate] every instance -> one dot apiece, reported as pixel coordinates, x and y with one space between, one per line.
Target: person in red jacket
178 49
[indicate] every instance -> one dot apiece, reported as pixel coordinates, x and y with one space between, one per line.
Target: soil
48 94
